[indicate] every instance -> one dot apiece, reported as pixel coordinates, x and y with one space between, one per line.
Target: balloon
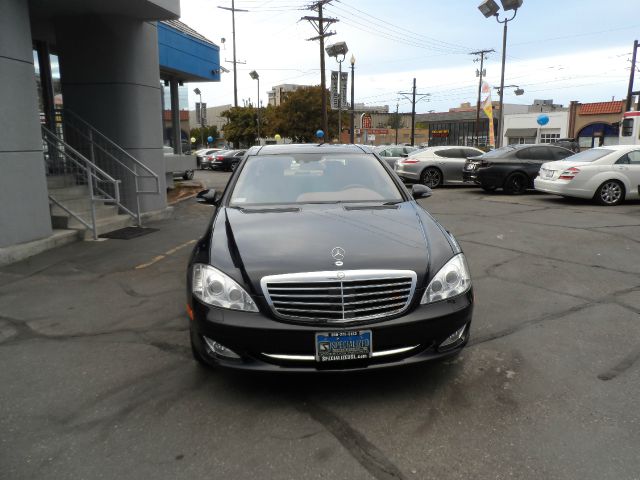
543 119
209 139
277 137
320 134
193 139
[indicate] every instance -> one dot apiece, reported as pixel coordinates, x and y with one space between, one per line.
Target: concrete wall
109 68
24 210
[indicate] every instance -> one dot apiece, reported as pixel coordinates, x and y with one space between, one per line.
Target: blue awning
187 55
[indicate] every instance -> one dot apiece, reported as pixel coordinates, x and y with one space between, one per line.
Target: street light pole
253 74
201 119
353 106
489 8
340 99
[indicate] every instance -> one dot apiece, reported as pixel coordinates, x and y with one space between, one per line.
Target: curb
188 197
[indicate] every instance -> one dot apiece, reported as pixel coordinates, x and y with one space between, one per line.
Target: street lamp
335 51
489 8
518 91
353 105
199 93
253 74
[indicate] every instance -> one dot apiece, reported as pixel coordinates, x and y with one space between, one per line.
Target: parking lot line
165 255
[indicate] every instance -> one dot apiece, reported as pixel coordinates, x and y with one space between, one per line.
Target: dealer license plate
341 346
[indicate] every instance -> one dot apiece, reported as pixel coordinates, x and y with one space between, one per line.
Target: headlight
215 288
452 279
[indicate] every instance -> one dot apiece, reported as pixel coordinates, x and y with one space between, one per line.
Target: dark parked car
318 258
512 167
227 160
205 157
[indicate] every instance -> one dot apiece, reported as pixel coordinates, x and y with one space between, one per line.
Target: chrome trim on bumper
311 358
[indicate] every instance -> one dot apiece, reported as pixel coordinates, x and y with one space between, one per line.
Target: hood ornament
338 255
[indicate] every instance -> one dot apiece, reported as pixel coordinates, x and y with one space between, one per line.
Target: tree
201 134
242 125
299 116
395 120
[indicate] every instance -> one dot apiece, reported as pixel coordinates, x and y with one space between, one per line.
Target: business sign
439 133
365 120
334 89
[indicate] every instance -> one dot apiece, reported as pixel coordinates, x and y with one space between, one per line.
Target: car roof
616 147
308 148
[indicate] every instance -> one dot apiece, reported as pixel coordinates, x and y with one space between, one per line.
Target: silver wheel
610 193
432 177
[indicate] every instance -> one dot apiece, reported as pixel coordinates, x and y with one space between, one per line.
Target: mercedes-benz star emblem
338 253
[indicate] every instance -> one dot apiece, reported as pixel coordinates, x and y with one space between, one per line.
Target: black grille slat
349 299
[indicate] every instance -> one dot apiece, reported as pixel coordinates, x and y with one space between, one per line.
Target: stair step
74 191
60 218
110 224
60 181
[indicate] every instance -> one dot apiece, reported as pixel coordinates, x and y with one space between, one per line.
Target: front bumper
266 344
470 176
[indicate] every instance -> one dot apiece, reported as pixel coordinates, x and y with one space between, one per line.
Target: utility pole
483 56
321 24
413 101
233 11
630 93
397 119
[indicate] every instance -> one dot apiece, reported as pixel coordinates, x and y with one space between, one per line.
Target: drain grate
128 233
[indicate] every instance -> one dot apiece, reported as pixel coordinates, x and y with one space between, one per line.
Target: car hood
251 243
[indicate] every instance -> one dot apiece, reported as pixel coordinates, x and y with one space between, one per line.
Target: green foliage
201 134
242 125
395 120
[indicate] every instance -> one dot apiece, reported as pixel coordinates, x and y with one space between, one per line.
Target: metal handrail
152 174
94 174
107 150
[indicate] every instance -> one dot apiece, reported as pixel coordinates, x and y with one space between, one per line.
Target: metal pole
504 58
413 115
201 124
477 133
259 111
353 106
632 75
340 100
323 81
235 64
397 121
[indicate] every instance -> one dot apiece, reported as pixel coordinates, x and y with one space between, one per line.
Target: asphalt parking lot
97 379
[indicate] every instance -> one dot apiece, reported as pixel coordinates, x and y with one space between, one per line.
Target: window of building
549 137
522 140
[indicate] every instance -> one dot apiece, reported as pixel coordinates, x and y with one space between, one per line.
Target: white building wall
558 124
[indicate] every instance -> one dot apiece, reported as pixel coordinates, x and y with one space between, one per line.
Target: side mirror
420 191
207 197
404 155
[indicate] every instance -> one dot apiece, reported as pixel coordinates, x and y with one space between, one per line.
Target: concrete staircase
76 198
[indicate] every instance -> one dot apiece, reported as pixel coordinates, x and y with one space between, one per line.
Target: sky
557 49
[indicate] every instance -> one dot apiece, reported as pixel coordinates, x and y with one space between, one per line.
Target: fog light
217 349
454 339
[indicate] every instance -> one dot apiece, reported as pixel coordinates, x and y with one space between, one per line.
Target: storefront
456 128
595 124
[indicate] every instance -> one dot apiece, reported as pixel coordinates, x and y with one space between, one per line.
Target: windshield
313 178
590 155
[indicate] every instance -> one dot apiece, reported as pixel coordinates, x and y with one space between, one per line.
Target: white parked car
609 175
436 166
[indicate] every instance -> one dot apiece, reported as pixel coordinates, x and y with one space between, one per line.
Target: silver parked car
392 153
436 166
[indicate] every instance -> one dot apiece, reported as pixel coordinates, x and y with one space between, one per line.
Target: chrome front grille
340 297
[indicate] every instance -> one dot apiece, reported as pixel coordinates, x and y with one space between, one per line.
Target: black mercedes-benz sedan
512 167
317 258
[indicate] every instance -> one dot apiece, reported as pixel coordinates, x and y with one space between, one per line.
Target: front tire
516 184
188 175
233 166
610 193
431 177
